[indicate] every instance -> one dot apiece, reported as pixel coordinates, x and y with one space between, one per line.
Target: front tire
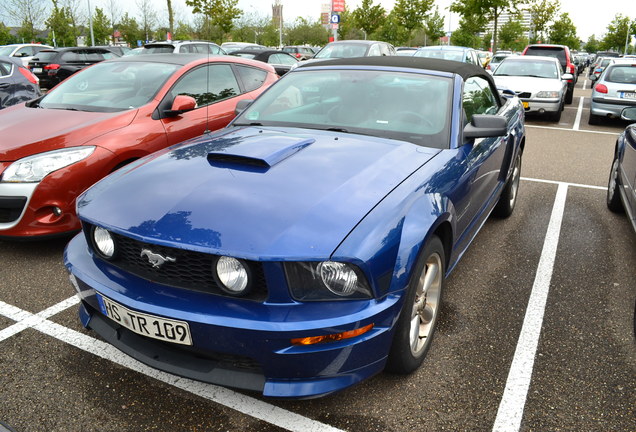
506 204
613 195
418 318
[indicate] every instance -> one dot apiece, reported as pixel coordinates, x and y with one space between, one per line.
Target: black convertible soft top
465 70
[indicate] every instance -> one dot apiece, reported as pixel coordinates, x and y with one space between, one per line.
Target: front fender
386 243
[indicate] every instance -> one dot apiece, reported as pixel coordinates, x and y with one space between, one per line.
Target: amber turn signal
332 337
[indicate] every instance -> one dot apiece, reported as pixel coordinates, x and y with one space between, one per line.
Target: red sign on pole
337 5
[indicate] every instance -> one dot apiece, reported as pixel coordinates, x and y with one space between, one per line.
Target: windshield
342 50
538 69
441 54
110 87
6 50
405 106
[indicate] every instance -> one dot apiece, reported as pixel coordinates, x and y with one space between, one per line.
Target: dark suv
562 53
52 66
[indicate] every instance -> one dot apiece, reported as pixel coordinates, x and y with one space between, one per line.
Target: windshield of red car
412 107
110 87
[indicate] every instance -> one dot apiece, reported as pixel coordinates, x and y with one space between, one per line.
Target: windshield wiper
337 129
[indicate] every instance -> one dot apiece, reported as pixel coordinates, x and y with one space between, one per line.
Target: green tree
563 32
392 31
410 14
62 30
491 10
130 30
183 31
5 35
592 45
221 13
304 32
467 34
101 27
433 28
368 17
511 36
543 12
617 33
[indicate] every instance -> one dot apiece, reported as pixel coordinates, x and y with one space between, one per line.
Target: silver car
614 90
537 81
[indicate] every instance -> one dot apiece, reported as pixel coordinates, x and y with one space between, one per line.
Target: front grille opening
11 208
190 270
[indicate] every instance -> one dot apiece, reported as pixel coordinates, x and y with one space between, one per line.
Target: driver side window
478 98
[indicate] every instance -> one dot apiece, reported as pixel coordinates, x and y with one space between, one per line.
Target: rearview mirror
567 76
181 104
241 105
484 126
593 77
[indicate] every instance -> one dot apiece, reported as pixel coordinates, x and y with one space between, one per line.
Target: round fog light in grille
233 275
104 242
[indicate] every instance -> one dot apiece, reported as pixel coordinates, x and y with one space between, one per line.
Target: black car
52 66
17 83
280 60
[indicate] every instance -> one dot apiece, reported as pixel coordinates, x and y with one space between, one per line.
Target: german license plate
628 95
146 325
526 105
37 70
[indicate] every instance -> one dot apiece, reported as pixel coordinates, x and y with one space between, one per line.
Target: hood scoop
258 153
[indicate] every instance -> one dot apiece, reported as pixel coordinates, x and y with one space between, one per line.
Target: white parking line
579 113
556 182
572 130
511 408
513 402
245 404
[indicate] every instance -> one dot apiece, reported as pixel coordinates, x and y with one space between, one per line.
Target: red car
107 116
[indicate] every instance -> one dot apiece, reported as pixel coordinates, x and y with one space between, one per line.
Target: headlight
548 94
233 276
34 168
327 280
103 242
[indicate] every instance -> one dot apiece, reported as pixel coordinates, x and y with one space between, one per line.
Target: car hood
26 131
528 84
254 192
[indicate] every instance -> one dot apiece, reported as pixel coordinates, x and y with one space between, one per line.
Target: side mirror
484 126
181 104
567 77
593 77
241 105
629 114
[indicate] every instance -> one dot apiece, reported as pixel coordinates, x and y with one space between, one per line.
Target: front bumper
239 343
541 105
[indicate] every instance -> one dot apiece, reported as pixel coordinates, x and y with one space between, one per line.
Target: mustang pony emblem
155 259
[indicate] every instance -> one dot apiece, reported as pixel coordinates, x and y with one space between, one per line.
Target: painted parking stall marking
510 413
245 404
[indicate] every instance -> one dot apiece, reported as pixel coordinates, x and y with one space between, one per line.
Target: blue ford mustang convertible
305 247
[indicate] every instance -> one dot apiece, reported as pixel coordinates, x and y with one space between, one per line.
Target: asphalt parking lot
536 332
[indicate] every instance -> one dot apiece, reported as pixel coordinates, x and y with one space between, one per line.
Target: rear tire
418 319
569 95
506 204
614 202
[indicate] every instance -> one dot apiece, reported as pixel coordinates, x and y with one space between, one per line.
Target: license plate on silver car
152 326
628 95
